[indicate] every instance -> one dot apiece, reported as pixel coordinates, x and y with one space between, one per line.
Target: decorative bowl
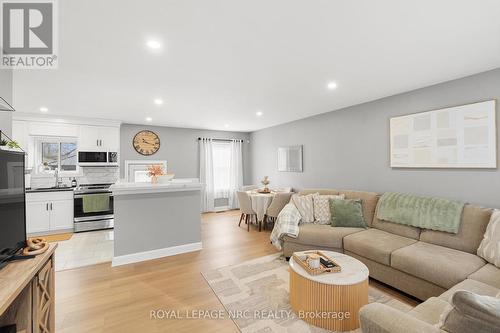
165 178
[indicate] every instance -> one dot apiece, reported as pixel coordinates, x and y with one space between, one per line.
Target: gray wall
179 147
6 93
349 148
155 221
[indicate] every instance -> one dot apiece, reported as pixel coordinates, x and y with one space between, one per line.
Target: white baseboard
155 254
221 209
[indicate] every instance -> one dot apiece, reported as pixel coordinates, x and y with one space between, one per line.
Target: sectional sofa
427 264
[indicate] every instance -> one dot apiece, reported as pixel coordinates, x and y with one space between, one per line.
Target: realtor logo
28 38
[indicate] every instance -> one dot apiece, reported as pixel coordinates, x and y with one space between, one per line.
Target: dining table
260 202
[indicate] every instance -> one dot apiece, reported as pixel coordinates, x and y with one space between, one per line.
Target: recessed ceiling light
259 113
149 119
331 85
153 44
43 109
226 125
158 101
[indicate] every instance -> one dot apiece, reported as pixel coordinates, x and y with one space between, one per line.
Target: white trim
140 188
155 254
142 163
219 209
66 120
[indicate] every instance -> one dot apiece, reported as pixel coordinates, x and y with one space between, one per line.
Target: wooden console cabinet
27 294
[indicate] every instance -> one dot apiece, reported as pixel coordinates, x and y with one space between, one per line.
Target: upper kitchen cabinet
110 137
99 138
20 133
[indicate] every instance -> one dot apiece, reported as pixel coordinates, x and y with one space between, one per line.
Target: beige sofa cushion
368 199
430 311
437 264
472 286
305 205
395 228
488 274
489 249
375 244
322 213
322 235
471 232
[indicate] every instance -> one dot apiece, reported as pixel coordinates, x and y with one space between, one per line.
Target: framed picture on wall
462 136
290 159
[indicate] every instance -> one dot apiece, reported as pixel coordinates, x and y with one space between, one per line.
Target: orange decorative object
35 246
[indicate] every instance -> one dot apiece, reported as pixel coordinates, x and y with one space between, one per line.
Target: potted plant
3 144
13 145
154 171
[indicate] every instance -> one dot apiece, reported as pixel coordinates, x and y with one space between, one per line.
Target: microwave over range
97 158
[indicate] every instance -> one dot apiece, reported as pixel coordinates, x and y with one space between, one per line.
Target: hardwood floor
103 299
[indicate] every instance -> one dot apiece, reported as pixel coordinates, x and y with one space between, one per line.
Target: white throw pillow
322 207
305 205
489 249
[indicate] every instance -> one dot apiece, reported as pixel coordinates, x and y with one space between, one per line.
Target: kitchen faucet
58 180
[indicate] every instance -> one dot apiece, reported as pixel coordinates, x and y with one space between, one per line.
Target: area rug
261 286
58 237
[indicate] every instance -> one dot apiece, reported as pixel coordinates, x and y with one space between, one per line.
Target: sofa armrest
381 318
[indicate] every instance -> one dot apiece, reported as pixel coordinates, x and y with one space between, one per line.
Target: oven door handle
79 196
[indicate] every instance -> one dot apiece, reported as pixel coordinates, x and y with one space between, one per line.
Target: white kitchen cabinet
99 138
20 133
37 217
61 214
110 137
47 212
89 138
47 128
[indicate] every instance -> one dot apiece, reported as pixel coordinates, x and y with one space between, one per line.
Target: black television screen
12 203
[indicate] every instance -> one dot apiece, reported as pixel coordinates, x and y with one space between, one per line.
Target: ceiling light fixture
43 109
226 125
153 44
149 119
259 113
331 85
158 101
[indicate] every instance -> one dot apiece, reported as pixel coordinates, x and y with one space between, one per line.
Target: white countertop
122 188
353 271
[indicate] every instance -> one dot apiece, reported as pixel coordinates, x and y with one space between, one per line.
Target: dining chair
246 208
249 187
279 201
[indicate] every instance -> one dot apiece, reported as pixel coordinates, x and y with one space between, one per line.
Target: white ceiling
223 60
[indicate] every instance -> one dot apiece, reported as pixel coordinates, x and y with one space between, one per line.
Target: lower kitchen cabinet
49 212
37 216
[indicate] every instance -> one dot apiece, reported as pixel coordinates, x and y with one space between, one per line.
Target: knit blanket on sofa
422 212
287 223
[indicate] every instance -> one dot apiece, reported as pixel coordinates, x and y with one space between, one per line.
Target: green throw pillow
347 213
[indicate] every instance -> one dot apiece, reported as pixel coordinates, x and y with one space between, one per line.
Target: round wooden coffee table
330 300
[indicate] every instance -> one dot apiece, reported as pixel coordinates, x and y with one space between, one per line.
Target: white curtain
235 172
221 170
207 175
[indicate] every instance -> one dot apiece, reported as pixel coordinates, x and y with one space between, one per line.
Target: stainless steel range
93 207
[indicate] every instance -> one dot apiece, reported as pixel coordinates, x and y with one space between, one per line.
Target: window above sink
56 153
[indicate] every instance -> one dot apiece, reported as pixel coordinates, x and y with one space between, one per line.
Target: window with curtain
221 171
221 154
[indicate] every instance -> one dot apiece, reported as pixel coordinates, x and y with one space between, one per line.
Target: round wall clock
146 142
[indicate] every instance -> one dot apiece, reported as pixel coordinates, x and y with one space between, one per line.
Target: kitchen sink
49 189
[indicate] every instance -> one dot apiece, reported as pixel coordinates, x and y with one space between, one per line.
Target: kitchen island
155 220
